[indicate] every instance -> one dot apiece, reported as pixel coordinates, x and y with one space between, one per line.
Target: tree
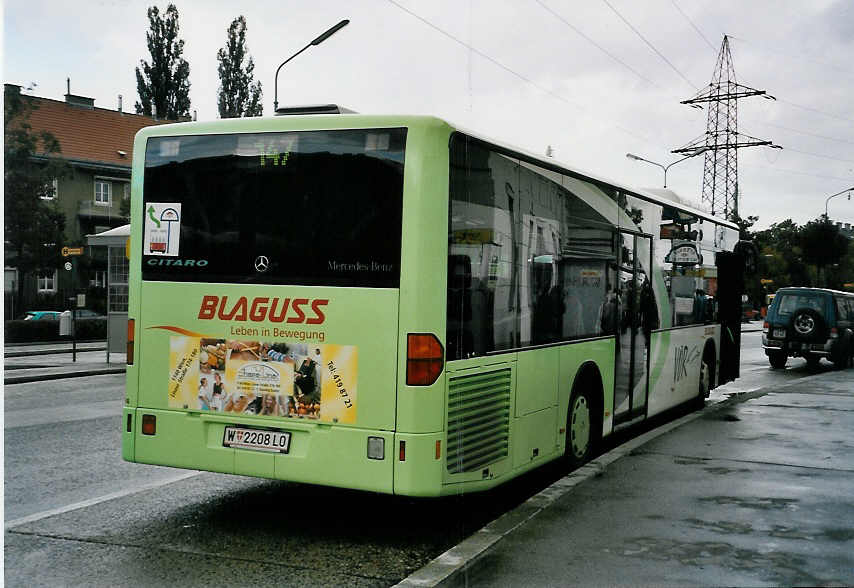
33 224
238 95
744 225
164 84
823 245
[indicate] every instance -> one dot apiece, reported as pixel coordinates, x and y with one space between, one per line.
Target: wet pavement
753 491
51 361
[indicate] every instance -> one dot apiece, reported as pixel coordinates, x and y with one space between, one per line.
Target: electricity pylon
722 139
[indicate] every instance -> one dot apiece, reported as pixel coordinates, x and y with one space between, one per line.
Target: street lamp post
317 41
664 167
826 202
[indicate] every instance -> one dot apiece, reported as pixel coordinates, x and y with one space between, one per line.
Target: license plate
779 333
257 439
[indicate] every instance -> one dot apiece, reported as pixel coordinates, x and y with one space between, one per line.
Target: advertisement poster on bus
277 379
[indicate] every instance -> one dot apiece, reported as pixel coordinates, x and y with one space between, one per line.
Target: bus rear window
306 208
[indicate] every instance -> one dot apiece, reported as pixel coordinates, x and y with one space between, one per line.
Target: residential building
97 144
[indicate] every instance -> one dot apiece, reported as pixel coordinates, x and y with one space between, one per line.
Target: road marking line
93 501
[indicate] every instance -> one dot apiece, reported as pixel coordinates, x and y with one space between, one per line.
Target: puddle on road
689 460
722 471
754 502
722 527
840 535
776 567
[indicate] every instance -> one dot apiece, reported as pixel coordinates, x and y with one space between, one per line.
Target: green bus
393 304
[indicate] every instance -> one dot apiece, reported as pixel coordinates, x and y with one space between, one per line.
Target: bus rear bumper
330 455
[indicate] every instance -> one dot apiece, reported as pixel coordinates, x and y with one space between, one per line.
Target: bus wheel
579 427
705 383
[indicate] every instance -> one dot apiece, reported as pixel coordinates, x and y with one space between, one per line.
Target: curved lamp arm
320 39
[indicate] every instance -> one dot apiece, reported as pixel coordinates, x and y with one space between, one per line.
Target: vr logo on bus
263 309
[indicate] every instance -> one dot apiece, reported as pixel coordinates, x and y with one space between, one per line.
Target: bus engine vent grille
478 420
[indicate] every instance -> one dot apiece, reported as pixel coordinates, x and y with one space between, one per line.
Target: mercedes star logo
261 263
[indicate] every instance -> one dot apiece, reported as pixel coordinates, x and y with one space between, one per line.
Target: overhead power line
595 44
797 173
817 111
690 22
650 45
513 72
821 156
776 126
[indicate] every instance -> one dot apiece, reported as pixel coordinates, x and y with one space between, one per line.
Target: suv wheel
777 360
844 356
812 360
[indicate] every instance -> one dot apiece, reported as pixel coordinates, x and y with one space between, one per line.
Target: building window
46 282
53 190
118 287
99 279
103 192
126 190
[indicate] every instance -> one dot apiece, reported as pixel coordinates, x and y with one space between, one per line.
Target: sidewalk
38 366
753 491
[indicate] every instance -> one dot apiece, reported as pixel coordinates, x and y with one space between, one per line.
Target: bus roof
347 121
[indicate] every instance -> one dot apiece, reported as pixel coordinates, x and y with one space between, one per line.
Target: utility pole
722 139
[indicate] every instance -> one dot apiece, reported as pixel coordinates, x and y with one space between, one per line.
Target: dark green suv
811 323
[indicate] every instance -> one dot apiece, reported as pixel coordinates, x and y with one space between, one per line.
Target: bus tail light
425 359
131 323
402 453
149 424
765 326
834 333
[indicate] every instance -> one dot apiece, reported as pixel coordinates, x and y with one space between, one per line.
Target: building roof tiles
94 135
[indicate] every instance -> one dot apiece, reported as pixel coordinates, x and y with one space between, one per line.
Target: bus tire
707 376
582 421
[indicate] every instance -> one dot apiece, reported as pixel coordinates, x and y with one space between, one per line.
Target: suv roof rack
314 109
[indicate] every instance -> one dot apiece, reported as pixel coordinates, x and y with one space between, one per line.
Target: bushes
44 330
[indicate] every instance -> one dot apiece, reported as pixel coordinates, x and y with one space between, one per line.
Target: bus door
730 289
632 354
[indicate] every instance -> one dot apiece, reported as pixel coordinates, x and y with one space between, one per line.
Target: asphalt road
76 514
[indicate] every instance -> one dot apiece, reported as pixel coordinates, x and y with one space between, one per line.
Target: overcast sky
595 79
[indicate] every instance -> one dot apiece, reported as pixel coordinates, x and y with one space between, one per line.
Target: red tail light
131 323
149 424
834 333
425 359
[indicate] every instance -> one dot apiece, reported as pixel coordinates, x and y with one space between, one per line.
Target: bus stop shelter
117 285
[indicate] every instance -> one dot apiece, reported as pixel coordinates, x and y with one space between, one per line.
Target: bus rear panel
266 305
